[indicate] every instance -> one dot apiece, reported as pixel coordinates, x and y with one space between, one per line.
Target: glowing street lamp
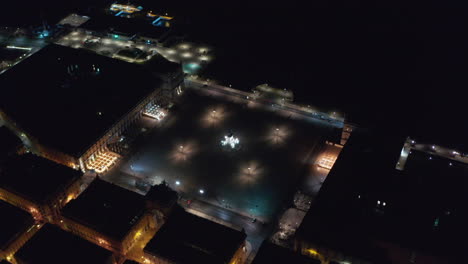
177 182
201 191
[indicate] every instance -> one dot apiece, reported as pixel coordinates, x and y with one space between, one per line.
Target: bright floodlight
201 191
230 140
187 55
177 182
184 46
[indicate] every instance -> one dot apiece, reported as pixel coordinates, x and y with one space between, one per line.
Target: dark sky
393 63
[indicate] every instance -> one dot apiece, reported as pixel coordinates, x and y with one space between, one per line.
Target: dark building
270 253
186 238
38 185
370 211
15 223
162 198
130 262
9 142
53 245
108 215
80 102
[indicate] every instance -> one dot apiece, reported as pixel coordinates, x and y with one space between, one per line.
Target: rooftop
162 196
186 238
52 245
365 199
8 142
271 253
130 262
35 178
126 26
14 221
107 208
79 95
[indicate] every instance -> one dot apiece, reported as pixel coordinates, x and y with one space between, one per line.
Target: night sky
388 64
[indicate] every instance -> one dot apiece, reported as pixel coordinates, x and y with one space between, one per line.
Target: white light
187 55
201 191
450 163
177 182
20 48
232 141
383 203
184 46
433 147
378 202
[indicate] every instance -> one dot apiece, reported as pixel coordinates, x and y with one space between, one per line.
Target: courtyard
265 158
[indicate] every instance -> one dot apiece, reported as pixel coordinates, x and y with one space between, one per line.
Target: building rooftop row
9 142
366 204
108 208
53 245
79 96
186 238
35 178
14 222
271 253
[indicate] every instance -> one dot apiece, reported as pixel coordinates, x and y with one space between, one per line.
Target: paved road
441 151
246 97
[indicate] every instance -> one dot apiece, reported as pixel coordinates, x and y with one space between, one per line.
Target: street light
201 191
177 182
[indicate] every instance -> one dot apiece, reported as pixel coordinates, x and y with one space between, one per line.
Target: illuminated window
327 162
101 162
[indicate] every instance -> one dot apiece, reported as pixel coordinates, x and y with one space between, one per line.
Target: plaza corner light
230 140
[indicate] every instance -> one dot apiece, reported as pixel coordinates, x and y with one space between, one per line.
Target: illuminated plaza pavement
254 179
